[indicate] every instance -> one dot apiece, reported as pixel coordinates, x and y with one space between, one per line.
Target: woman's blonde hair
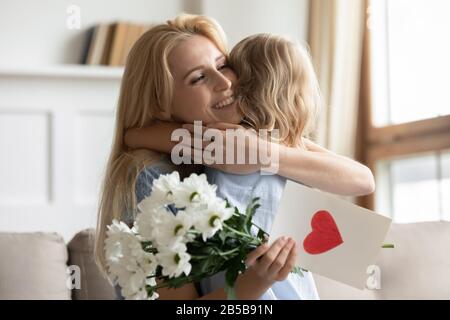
145 96
277 86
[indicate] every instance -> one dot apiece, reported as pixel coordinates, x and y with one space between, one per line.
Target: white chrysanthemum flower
174 260
163 186
133 277
139 269
211 220
198 206
118 238
193 190
130 294
134 287
162 191
147 222
149 204
172 229
138 295
128 264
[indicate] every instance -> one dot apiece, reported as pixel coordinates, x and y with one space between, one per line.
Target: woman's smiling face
203 83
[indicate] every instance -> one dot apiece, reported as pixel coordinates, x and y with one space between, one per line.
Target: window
416 188
405 108
410 59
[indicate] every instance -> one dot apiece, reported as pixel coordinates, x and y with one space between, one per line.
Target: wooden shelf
63 71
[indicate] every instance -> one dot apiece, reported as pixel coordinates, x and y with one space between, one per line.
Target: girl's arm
320 168
155 137
316 167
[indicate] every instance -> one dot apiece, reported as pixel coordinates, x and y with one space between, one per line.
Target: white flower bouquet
183 232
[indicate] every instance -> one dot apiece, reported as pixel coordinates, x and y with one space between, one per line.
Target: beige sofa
34 266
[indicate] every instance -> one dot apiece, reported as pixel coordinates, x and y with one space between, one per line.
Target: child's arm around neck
320 168
156 137
316 166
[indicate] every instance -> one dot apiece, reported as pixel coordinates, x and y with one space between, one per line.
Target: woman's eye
223 66
196 80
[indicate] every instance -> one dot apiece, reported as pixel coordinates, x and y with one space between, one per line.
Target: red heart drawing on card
325 234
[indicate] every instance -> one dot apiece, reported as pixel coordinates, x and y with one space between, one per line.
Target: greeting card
335 238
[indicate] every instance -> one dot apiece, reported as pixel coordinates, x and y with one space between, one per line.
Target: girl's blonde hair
277 86
145 96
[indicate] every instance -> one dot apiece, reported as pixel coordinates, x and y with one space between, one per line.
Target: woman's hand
240 156
273 262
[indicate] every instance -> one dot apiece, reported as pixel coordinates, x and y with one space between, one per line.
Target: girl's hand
273 262
248 151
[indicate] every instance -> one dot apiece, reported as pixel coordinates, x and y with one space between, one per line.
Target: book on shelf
89 35
110 43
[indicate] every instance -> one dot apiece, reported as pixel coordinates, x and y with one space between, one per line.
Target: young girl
276 89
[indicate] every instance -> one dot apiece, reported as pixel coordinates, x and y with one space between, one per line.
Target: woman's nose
223 83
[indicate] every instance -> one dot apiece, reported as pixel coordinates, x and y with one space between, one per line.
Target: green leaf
262 235
231 276
255 199
150 290
223 236
208 265
231 293
298 270
249 213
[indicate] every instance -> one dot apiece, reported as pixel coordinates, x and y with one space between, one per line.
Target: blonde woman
276 89
154 87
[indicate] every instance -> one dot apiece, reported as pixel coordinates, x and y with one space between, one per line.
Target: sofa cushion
417 268
93 285
33 266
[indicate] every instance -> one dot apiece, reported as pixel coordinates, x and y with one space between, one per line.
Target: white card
344 241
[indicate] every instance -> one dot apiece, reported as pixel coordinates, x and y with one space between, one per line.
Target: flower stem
222 254
238 232
199 257
228 252
193 231
238 215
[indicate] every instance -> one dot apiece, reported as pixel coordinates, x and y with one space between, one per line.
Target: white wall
35 32
242 18
56 128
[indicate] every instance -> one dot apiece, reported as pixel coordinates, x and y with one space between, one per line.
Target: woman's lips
223 103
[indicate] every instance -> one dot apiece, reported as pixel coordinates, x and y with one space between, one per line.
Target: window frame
391 141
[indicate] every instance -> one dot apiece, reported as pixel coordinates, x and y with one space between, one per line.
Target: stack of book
109 43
